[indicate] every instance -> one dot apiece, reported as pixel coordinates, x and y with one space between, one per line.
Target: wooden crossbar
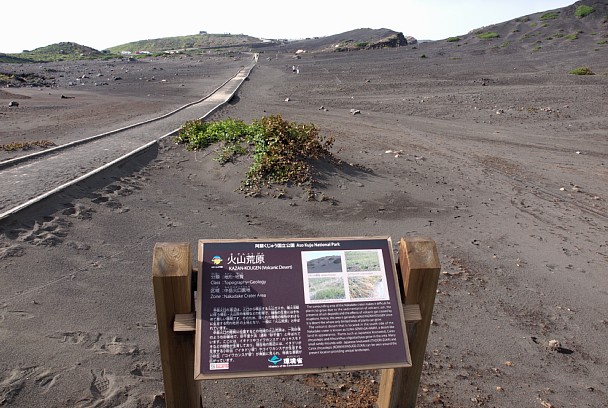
185 322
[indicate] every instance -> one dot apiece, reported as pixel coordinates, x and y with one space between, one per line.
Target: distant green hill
64 51
11 59
187 42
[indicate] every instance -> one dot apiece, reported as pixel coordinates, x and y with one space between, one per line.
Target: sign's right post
419 270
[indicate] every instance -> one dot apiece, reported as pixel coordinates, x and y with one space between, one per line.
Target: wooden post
171 278
419 269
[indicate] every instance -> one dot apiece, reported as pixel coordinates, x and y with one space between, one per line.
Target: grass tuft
488 35
582 71
583 11
571 37
13 146
549 16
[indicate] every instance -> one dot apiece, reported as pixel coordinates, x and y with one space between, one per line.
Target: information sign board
295 306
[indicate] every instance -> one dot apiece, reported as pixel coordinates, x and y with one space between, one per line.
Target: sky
111 22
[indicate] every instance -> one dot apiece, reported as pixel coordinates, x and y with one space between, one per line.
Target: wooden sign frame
289 263
418 269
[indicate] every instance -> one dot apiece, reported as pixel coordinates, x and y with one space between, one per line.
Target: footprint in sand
86 340
20 314
46 380
10 251
98 343
146 325
14 382
109 202
48 232
117 347
142 369
79 211
105 391
101 384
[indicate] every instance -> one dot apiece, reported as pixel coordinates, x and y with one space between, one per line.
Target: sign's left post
173 294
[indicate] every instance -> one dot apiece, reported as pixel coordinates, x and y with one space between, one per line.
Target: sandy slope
500 159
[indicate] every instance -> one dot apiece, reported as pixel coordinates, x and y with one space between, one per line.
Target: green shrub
488 35
583 11
281 150
582 71
197 135
453 39
549 16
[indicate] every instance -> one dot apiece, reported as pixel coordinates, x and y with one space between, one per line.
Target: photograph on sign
344 276
295 306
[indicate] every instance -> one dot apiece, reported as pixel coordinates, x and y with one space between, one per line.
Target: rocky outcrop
411 40
392 41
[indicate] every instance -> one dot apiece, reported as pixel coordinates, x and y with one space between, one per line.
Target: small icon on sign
275 360
216 260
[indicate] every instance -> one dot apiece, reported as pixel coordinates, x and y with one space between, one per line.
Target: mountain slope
583 24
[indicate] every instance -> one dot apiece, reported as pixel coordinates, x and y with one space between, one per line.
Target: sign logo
216 260
275 360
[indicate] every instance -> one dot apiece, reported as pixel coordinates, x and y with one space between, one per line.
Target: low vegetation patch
488 35
583 11
13 146
582 71
26 79
281 151
453 39
187 42
528 35
549 16
571 37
